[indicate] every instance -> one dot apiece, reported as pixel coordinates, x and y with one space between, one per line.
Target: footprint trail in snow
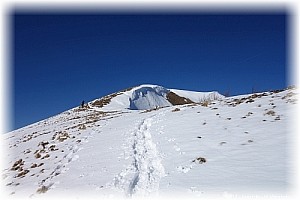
142 177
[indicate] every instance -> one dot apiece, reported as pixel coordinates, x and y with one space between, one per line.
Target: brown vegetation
43 189
249 99
17 166
23 173
204 103
46 156
270 112
38 155
106 99
61 136
174 99
34 165
82 127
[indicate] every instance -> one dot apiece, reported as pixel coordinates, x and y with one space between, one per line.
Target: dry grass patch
249 99
127 89
102 102
43 189
106 99
61 136
33 165
205 103
37 155
82 127
46 156
23 173
18 165
270 112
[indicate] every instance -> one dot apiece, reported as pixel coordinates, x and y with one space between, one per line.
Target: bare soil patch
174 99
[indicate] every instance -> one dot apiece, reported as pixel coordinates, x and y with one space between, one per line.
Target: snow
144 98
146 167
127 153
149 96
198 96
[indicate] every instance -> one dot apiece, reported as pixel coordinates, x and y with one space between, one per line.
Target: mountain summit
145 97
149 141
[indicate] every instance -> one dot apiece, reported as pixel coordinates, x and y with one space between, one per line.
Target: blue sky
60 60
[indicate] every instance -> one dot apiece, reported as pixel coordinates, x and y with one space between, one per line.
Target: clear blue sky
60 60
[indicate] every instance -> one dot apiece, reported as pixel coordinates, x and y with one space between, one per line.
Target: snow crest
149 97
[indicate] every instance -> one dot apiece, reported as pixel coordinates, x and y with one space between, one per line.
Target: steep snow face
148 96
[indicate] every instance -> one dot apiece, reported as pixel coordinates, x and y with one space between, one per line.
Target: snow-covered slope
198 96
236 145
148 96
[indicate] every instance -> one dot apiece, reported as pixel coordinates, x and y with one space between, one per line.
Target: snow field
243 149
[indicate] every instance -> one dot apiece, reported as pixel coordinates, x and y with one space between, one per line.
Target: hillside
150 141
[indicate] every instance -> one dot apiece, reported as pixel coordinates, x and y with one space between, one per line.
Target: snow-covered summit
149 96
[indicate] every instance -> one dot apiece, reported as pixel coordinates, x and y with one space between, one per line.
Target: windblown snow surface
235 145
